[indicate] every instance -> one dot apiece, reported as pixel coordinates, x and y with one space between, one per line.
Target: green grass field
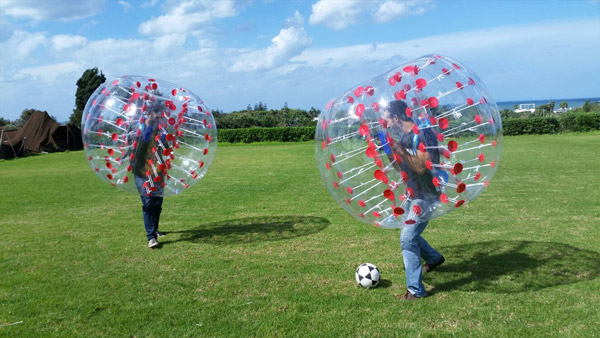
259 248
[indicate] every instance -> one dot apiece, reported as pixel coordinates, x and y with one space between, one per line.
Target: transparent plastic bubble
148 136
411 144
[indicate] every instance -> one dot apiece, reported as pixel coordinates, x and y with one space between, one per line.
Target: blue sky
233 53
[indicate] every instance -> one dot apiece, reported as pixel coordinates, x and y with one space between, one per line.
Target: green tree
551 106
25 115
564 105
515 107
87 83
4 122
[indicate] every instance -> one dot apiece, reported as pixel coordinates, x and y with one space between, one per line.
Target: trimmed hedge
278 134
573 121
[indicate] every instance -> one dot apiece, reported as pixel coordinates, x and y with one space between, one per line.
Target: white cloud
65 41
49 73
52 10
166 44
126 5
390 10
290 42
340 14
188 16
337 14
21 44
150 3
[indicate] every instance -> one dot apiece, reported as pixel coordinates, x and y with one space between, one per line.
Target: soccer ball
367 275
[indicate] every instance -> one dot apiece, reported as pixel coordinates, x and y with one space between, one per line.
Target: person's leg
429 254
149 216
157 209
148 210
410 240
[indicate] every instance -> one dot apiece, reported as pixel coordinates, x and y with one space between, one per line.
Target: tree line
260 116
547 110
253 116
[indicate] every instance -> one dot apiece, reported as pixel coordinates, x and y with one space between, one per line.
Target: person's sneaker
431 267
409 296
159 234
152 243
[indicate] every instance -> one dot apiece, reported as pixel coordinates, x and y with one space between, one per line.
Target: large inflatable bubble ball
148 136
411 144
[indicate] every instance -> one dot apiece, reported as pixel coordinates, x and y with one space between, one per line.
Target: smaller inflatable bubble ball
148 136
367 275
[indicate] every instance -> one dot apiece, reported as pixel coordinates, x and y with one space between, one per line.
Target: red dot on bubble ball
459 203
360 109
401 95
358 91
461 187
389 194
443 123
364 130
452 146
458 168
398 211
433 102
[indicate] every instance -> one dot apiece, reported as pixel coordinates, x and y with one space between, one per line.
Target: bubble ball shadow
513 266
252 229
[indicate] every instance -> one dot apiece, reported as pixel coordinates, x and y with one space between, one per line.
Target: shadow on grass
252 229
513 266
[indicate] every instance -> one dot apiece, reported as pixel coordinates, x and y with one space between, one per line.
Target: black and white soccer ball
367 275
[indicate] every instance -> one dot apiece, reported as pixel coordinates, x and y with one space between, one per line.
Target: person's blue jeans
415 247
151 208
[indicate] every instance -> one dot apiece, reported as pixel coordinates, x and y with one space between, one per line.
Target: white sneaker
152 243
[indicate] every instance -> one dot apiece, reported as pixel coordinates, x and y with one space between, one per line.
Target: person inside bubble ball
405 143
146 164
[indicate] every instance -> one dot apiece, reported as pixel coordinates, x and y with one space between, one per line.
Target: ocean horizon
573 102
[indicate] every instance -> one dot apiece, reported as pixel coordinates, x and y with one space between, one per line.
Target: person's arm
416 162
148 128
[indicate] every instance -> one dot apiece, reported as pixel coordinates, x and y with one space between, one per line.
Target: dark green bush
580 121
572 121
280 134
